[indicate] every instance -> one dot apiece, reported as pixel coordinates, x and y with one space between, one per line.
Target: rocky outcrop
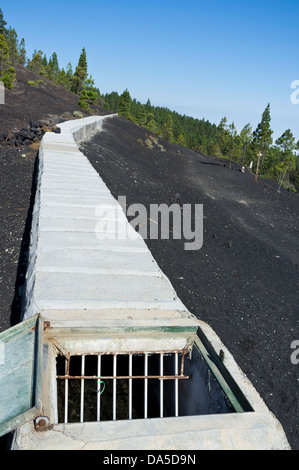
30 134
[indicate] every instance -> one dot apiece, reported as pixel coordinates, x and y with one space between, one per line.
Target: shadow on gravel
16 305
210 163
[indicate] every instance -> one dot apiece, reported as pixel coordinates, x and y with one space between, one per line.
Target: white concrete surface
76 280
235 432
70 268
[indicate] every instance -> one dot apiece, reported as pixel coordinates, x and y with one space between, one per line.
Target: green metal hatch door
20 374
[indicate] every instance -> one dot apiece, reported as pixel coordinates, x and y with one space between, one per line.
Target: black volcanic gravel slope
18 169
244 280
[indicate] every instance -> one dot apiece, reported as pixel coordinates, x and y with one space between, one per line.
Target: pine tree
141 115
3 23
13 44
167 130
36 64
61 78
245 140
82 64
214 150
89 94
111 101
232 139
151 124
49 70
148 106
287 145
69 76
124 107
181 140
7 71
53 66
22 52
262 136
222 135
45 61
80 74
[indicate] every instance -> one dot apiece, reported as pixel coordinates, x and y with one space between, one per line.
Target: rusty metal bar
99 394
82 390
66 392
145 386
176 371
178 375
114 386
130 385
124 353
68 363
123 377
183 363
161 385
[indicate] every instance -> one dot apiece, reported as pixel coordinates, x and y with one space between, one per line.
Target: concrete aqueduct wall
76 280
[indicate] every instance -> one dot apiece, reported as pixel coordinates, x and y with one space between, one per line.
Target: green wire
101 391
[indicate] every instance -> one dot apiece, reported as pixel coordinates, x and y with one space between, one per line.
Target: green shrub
148 143
31 82
8 77
83 104
7 71
78 114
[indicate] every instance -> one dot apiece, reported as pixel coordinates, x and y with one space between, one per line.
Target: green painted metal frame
223 376
21 374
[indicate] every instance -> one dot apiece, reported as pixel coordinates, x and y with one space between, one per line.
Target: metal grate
107 387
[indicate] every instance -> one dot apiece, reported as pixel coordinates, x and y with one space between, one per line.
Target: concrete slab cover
76 270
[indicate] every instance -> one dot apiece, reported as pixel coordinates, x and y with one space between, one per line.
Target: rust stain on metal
42 424
183 353
60 349
122 377
183 363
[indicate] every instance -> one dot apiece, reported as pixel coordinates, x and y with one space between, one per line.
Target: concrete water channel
107 356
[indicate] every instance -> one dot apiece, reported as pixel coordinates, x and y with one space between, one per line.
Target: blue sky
202 58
